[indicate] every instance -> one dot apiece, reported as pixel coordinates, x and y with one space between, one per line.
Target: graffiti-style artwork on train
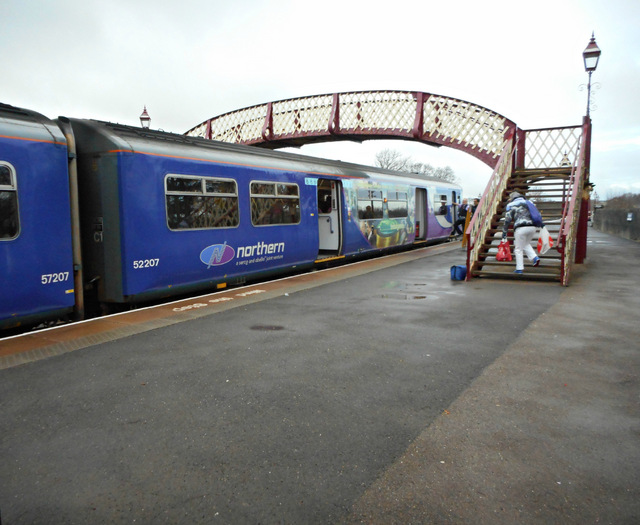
386 214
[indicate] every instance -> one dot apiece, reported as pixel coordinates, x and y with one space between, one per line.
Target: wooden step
519 185
545 267
490 250
526 276
549 264
496 233
551 223
550 181
504 266
523 183
542 172
548 258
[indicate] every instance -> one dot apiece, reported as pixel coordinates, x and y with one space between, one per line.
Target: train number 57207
49 278
145 263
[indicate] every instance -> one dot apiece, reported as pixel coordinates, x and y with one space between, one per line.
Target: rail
567 235
480 224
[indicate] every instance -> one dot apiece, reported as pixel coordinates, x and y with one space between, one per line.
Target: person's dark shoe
536 261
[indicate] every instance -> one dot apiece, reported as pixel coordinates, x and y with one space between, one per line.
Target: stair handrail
476 232
568 191
567 236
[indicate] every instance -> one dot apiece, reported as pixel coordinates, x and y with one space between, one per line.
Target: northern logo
217 254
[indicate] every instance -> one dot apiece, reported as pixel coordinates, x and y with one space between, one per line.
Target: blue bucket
459 272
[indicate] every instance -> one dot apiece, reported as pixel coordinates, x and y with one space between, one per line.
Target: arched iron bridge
363 115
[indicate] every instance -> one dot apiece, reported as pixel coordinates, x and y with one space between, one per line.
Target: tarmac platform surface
382 392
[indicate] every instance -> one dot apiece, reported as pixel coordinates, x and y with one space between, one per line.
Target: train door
454 207
421 214
455 197
329 219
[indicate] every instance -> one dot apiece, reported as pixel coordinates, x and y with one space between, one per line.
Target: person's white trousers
523 237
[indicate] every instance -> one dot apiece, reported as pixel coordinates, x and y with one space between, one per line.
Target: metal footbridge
550 164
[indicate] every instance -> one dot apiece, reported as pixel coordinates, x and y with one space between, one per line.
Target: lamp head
591 55
145 119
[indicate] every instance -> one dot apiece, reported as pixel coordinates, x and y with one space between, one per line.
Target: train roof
108 136
27 124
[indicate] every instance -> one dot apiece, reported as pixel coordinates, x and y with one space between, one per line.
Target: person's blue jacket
518 214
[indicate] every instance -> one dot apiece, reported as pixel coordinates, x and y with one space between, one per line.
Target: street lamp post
591 55
145 119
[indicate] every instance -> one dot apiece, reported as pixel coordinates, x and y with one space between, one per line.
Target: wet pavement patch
267 328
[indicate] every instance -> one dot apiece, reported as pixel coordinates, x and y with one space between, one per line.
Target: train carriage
168 216
36 265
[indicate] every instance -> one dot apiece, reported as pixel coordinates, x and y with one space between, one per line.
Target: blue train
96 216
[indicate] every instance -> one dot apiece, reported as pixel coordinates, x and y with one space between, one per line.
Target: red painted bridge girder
365 115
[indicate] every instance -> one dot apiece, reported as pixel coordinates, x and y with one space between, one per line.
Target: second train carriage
163 214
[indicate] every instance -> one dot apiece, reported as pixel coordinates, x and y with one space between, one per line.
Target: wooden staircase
549 166
548 190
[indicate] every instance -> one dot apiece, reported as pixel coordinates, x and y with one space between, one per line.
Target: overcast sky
189 60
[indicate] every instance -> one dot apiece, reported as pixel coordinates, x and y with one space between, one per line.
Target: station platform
379 392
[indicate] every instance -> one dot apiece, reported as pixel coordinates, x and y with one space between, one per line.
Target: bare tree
624 201
391 159
423 169
445 174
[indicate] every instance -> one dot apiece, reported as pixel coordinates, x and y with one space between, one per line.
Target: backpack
536 218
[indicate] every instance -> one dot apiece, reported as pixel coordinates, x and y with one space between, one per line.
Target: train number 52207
49 278
145 263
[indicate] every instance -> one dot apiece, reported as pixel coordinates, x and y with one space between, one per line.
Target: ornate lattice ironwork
423 117
552 148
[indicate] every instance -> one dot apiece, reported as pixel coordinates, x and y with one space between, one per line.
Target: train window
274 203
262 188
201 203
287 189
397 195
441 204
365 194
9 218
6 180
184 184
397 204
370 204
324 199
227 187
